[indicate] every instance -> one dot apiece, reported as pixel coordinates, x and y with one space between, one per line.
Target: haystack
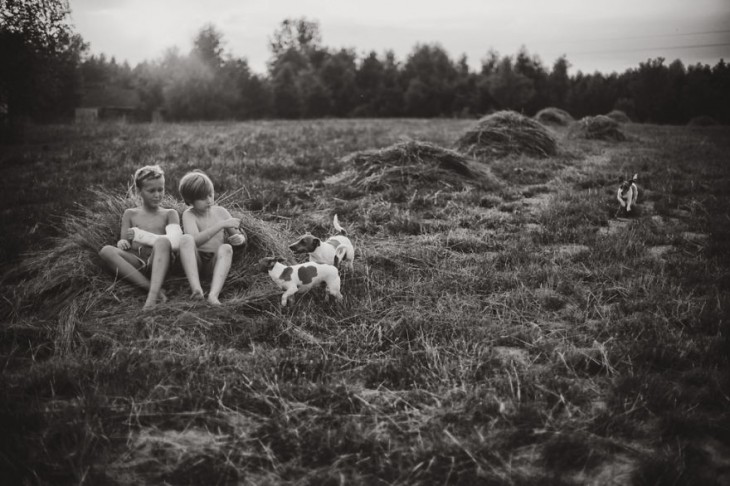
619 116
554 116
702 121
414 165
507 132
598 127
67 279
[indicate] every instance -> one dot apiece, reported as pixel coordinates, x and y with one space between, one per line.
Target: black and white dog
333 251
627 192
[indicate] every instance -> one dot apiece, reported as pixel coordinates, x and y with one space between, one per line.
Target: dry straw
702 121
505 133
415 164
619 116
554 116
598 127
66 280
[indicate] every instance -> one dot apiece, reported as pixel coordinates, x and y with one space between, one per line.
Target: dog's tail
340 229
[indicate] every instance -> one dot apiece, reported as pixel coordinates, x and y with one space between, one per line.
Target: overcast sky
604 36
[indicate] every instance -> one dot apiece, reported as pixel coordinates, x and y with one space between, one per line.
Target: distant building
112 103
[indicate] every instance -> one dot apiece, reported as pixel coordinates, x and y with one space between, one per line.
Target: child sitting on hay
203 247
141 252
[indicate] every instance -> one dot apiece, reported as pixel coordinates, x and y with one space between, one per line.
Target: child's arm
123 243
191 227
236 236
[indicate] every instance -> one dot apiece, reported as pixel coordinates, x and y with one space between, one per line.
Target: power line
613 51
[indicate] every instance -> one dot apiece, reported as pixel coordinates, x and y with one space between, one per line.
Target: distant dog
301 278
335 250
627 192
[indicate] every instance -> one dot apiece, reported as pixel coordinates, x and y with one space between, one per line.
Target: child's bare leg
220 272
123 265
189 260
160 263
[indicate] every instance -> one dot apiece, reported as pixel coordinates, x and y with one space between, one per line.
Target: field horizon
504 323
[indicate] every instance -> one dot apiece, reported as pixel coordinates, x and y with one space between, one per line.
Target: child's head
147 173
195 186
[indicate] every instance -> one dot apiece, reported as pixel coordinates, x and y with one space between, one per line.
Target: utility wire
638 49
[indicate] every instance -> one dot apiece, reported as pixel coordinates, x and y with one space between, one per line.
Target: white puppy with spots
333 251
627 192
301 278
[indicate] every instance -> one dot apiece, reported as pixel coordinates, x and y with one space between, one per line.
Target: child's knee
187 241
225 250
108 252
162 244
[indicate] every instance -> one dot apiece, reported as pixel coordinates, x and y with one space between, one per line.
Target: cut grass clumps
411 166
505 133
554 116
619 116
598 127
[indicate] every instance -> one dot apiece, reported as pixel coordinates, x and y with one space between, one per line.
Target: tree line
47 69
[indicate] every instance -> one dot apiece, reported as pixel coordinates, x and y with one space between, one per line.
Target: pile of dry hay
619 116
67 279
598 127
702 121
554 116
415 165
507 132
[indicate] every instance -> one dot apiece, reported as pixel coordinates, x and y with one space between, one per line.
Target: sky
604 36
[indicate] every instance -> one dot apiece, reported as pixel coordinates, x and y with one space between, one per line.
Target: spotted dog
333 251
301 278
627 192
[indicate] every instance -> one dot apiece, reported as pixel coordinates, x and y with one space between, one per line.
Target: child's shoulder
220 211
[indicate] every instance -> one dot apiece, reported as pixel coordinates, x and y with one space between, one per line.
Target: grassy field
517 332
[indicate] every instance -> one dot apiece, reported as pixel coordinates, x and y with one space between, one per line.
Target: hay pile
507 132
619 116
414 165
702 121
67 279
598 127
554 116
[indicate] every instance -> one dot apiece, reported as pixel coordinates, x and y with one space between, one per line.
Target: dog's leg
285 296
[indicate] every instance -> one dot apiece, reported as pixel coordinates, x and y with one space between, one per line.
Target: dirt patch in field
614 226
566 251
660 251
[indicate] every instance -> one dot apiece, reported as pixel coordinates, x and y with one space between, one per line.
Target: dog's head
305 244
625 184
267 263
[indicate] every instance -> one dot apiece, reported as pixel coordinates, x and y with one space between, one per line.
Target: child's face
202 205
152 191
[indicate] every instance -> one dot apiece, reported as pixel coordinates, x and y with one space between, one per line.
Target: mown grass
515 334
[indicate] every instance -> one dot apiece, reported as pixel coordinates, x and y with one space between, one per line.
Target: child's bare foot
162 297
214 301
197 295
150 303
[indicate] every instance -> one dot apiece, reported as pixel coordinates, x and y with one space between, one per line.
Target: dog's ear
636 176
279 259
316 242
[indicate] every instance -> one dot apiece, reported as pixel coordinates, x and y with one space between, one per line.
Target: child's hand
123 245
231 223
237 240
